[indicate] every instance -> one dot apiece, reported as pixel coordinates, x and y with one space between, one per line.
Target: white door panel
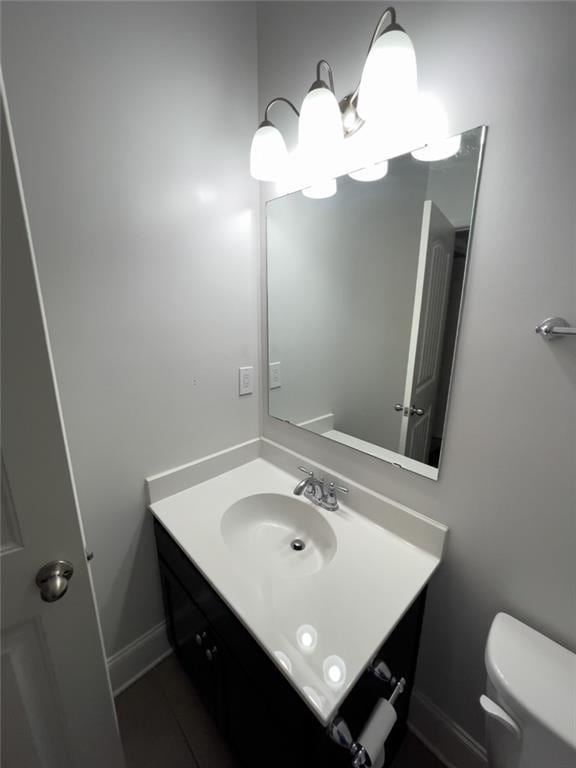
417 440
57 707
36 734
427 334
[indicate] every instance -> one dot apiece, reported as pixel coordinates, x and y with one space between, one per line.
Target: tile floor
164 725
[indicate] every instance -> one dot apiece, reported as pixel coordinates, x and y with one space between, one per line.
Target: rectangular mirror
364 296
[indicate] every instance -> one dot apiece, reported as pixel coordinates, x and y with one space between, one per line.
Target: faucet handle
306 471
342 488
331 499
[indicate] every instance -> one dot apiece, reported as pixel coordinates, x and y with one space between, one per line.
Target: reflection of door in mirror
425 352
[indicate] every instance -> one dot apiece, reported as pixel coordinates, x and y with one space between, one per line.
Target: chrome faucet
313 488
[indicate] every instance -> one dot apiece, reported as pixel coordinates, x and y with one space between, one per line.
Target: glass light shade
268 153
433 131
389 77
320 133
325 188
371 173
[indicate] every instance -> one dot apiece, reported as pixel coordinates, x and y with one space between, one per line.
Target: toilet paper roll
376 731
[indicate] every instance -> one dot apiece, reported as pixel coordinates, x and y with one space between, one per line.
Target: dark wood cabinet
256 709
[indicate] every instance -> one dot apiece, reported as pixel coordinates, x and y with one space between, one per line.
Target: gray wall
451 186
507 481
143 217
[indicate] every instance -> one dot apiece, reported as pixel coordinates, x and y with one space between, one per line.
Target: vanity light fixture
320 131
268 153
389 76
383 109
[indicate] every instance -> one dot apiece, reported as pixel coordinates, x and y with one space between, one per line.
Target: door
57 706
427 333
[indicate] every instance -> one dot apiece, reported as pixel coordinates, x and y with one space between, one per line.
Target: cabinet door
268 726
193 642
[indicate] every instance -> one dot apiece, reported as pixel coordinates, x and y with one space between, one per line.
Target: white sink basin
279 533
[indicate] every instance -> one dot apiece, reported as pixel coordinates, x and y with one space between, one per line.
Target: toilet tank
530 700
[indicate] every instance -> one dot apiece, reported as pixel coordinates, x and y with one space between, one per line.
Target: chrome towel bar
554 327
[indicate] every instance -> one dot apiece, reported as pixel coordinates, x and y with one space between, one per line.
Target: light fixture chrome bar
553 327
274 101
328 68
388 12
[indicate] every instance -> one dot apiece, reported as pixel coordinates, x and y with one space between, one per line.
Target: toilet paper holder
340 733
381 670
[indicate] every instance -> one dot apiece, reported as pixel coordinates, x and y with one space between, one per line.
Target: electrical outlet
246 380
274 378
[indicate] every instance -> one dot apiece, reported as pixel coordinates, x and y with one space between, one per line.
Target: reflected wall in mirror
364 296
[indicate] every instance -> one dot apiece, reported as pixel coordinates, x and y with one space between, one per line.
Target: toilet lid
534 674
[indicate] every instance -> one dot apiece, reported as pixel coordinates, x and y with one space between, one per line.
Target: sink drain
297 545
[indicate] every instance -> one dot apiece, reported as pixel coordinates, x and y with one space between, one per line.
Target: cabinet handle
210 653
200 638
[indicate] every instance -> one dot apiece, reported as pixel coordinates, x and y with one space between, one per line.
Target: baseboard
444 737
133 661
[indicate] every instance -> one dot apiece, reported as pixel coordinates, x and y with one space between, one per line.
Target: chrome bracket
382 672
340 734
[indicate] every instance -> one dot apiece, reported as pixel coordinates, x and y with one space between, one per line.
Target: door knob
53 578
398 407
416 411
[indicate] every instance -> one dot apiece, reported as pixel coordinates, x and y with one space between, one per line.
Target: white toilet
530 700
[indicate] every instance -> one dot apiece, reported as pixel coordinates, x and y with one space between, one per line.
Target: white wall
507 480
132 123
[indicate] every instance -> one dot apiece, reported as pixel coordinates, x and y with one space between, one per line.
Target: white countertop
314 627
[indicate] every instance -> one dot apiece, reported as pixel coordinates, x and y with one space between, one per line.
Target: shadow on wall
563 353
139 560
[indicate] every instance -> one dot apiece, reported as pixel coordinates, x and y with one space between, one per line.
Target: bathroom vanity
280 640
255 708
